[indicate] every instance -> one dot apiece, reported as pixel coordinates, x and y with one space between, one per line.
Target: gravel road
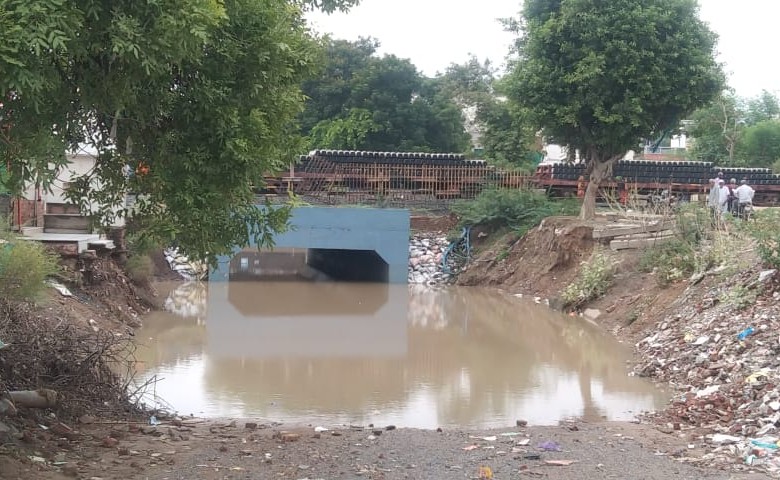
229 450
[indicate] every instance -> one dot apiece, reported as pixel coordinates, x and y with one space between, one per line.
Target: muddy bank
711 337
540 263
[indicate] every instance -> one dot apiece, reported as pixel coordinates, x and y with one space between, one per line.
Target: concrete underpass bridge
323 319
349 244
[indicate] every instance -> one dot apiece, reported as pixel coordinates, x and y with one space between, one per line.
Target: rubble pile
720 351
179 263
425 259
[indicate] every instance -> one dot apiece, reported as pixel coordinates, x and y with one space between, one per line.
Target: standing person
723 205
714 196
713 199
732 186
744 194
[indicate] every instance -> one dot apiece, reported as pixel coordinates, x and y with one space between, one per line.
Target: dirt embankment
540 263
712 338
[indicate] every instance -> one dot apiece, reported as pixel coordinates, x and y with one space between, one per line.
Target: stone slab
618 230
639 243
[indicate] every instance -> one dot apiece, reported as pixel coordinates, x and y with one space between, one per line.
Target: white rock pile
425 255
189 270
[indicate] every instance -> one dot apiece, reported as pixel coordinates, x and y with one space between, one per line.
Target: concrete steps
66 223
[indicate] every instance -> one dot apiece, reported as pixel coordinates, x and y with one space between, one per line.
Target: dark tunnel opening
349 265
314 264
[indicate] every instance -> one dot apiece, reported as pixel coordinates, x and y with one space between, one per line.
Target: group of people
728 198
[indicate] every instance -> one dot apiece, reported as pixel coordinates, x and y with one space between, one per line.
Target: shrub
519 210
24 265
594 279
140 268
765 230
671 261
692 222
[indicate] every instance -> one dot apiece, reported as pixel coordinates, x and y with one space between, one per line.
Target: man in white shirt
723 197
714 196
744 195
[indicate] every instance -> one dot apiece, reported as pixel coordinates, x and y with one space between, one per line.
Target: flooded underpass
330 353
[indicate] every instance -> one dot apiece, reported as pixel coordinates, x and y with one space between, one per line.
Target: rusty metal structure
392 178
431 179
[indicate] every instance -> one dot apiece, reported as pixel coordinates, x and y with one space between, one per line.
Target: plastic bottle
760 444
744 333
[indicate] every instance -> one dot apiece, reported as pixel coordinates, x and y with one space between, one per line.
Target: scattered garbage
59 287
550 446
745 333
722 357
153 421
560 463
725 439
485 473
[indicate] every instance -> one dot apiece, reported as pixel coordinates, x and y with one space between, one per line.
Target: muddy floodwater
341 353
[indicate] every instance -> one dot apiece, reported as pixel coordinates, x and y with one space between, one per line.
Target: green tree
344 133
717 129
760 145
366 102
508 135
763 107
720 128
202 95
494 122
599 76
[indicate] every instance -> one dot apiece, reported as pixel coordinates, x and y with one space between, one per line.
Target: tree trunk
599 171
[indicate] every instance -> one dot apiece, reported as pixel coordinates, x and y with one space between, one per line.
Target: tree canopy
202 94
362 101
600 76
498 125
732 130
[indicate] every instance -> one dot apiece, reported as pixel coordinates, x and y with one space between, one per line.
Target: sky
435 33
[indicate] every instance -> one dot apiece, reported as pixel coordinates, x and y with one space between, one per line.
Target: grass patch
765 230
739 297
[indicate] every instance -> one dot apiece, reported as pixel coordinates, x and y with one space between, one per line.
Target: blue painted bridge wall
385 231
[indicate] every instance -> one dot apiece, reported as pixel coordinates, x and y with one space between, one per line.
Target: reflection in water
387 354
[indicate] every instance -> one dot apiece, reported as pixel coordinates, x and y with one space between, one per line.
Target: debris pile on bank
51 366
425 259
179 263
720 350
